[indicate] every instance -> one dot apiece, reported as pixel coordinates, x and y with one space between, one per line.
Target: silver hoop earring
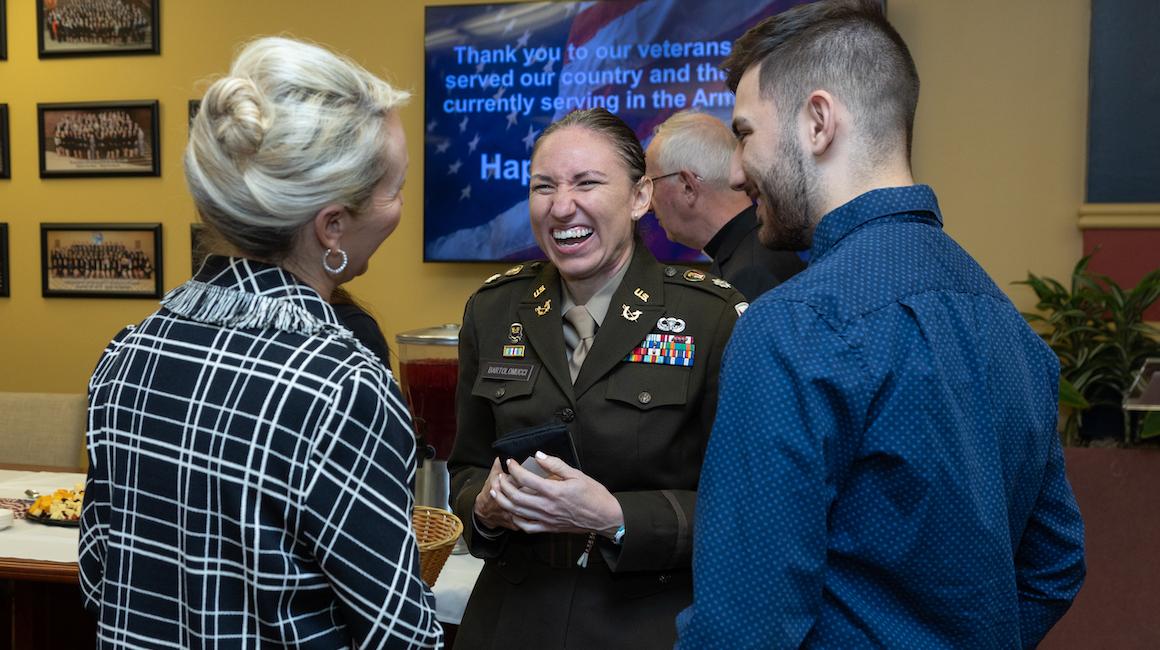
340 268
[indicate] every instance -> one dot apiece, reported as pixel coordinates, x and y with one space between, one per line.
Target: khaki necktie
585 326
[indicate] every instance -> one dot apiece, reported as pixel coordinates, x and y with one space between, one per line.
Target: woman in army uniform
625 351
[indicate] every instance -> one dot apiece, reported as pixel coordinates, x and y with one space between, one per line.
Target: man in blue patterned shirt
884 457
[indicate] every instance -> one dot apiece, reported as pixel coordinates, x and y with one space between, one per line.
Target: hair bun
237 112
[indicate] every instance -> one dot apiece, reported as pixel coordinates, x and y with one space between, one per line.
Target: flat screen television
497 74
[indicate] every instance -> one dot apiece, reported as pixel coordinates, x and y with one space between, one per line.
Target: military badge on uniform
640 293
540 289
721 283
670 324
514 270
694 276
664 349
513 351
544 308
492 278
516 332
741 307
630 314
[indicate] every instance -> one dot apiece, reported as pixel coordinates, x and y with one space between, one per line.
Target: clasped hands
567 501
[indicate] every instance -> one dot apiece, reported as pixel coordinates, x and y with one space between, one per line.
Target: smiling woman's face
583 205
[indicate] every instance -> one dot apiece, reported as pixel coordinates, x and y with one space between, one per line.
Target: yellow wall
1000 135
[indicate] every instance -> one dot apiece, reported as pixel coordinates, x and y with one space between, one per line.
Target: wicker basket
437 531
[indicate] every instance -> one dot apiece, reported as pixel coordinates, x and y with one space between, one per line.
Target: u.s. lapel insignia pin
516 332
540 289
544 308
640 293
630 314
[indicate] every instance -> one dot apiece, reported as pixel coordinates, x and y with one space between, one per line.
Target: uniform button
502 563
663 579
500 392
670 271
567 415
645 397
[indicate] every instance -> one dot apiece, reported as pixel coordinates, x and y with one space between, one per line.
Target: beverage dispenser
428 372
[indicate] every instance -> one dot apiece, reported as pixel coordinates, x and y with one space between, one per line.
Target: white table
35 551
453 587
39 552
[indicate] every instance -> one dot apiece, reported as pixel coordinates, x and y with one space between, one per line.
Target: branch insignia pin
629 313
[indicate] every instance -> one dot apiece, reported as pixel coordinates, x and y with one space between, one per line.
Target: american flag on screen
498 74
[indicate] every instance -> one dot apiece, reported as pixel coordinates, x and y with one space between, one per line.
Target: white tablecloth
29 541
454 586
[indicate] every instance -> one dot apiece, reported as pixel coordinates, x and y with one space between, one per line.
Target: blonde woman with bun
251 463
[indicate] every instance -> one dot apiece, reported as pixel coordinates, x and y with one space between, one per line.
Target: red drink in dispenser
429 386
429 371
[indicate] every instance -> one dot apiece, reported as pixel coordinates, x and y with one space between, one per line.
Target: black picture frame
101 260
3 30
5 285
79 156
5 148
55 40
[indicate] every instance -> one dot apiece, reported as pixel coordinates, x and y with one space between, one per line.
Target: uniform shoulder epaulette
526 270
699 279
707 282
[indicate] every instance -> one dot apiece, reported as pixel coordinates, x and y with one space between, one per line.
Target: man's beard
785 192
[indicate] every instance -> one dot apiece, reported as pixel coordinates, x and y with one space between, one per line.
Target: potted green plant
1097 328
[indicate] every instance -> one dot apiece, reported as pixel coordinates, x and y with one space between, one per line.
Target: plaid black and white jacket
250 480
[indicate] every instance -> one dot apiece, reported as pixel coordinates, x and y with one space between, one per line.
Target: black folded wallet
553 439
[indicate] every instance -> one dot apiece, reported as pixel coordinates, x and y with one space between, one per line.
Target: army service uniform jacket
640 428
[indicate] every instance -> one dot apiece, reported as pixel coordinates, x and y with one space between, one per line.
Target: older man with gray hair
688 161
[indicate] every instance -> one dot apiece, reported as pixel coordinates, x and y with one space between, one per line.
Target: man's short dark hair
843 46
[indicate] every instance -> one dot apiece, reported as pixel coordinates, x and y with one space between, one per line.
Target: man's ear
690 187
821 122
330 224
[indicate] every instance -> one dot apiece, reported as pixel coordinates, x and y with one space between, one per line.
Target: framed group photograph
5 149
5 289
97 27
99 139
100 260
